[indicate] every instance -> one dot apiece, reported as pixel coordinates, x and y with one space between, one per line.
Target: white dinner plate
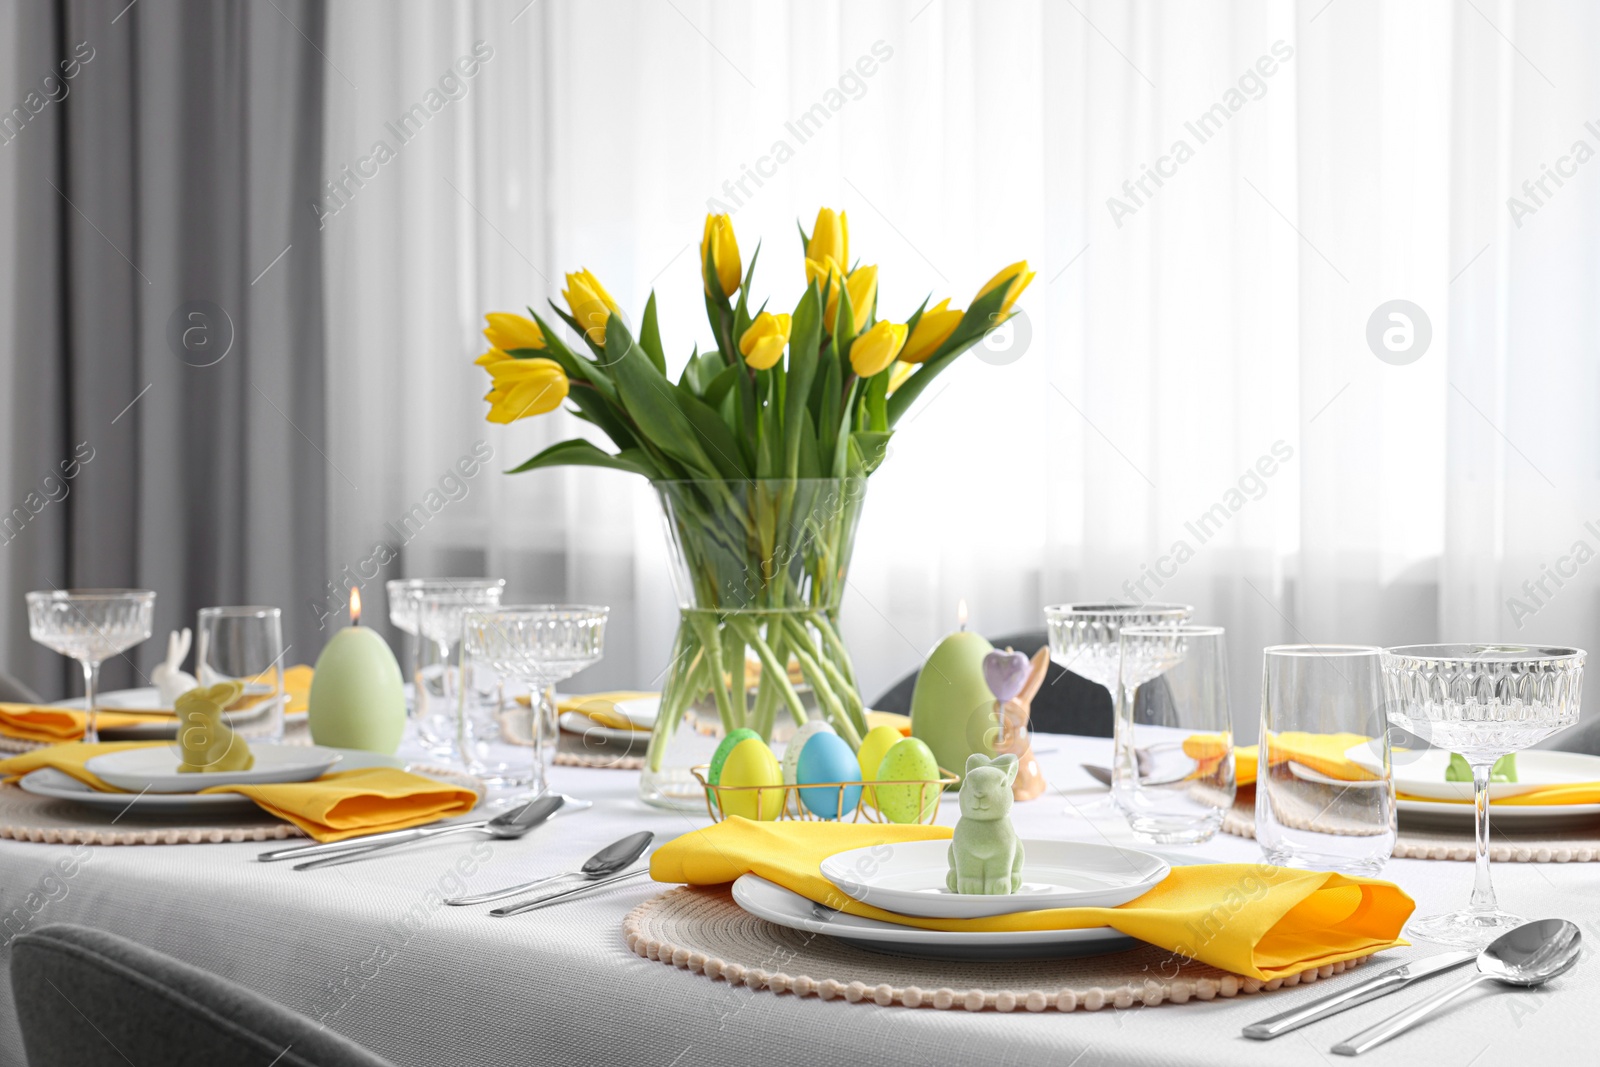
155 769
642 712
577 723
49 782
1522 816
1421 774
776 904
909 878
148 698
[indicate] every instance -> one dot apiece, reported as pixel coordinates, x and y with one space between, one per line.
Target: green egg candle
357 699
952 709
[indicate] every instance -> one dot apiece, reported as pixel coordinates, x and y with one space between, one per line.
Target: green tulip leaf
581 453
715 435
805 336
978 320
870 448
651 401
650 335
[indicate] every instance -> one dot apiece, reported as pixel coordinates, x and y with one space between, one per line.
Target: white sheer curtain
1217 197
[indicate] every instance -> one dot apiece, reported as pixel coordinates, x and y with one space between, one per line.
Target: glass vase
759 569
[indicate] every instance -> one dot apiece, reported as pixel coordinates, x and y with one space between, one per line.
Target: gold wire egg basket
785 800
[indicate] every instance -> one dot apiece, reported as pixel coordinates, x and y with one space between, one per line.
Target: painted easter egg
910 761
875 746
797 744
827 758
751 764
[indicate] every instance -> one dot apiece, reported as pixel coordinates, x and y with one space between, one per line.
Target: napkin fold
1252 919
338 805
602 708
36 722
344 804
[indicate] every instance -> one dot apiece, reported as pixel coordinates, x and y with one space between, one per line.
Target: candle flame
355 605
961 612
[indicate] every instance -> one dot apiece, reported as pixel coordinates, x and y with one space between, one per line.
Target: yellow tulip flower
1016 278
933 329
590 304
863 286
897 377
494 355
507 331
524 387
762 344
830 239
719 240
876 349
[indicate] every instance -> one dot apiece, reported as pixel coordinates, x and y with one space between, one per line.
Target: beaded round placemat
1507 845
703 931
26 817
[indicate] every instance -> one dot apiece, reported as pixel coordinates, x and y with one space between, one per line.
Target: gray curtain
160 309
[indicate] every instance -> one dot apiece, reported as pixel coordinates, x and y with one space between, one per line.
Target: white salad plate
909 878
155 769
577 723
775 904
148 699
1421 774
49 782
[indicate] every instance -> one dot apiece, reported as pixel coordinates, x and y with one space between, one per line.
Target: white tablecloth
367 948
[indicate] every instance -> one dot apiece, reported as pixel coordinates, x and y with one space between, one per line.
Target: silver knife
545 901
1381 985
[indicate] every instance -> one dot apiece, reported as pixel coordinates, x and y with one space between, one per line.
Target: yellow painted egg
910 760
875 746
751 763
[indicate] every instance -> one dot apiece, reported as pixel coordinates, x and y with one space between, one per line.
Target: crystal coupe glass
90 626
538 645
1481 701
1085 639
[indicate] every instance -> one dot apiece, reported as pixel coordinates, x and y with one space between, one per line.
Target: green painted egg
910 760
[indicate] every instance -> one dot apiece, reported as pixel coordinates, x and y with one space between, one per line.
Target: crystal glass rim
1322 651
1181 630
1474 653
1095 608
445 584
243 611
575 611
69 595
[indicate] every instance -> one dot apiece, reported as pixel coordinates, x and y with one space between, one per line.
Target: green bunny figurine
985 855
206 741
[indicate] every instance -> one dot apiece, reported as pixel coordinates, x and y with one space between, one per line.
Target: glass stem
1482 888
538 698
1125 764
91 693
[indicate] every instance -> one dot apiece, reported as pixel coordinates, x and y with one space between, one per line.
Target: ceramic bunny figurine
1014 736
170 678
985 855
206 741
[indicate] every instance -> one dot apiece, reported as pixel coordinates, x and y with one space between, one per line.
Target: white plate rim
1045 852
579 724
1439 790
748 890
107 768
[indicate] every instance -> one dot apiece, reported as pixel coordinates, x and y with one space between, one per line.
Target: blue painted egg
827 758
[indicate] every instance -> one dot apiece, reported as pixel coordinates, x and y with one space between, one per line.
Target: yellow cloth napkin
338 805
1252 919
602 708
69 758
1323 753
297 684
345 804
34 722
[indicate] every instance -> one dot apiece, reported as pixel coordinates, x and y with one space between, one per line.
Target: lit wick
961 613
355 606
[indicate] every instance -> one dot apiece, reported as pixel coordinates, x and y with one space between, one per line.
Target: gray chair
86 998
1067 703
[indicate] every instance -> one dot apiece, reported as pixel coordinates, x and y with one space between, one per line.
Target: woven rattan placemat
703 931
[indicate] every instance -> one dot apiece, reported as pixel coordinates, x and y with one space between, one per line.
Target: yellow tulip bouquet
759 451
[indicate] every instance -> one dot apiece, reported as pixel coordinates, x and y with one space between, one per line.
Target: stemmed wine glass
1086 639
438 619
538 645
90 626
1481 701
405 594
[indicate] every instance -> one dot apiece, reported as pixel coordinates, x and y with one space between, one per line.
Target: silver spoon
609 860
1530 955
506 826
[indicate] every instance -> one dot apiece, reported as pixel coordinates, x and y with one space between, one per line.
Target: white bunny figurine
170 679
